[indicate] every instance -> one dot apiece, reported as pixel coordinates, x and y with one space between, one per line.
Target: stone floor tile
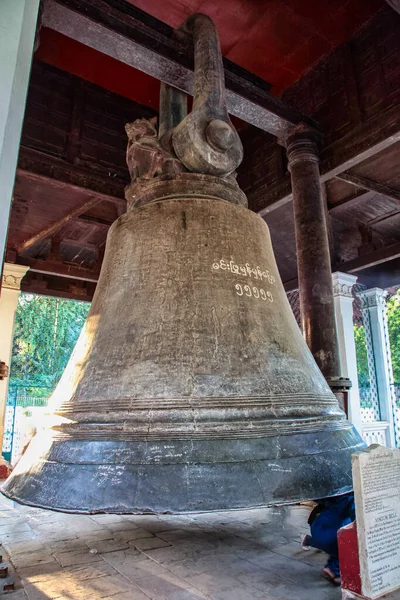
56 535
43 592
150 543
76 557
261 580
188 567
17 595
6 509
68 545
124 525
167 586
132 566
34 593
31 559
94 588
134 594
91 571
37 573
156 524
13 523
18 536
293 550
193 545
101 587
220 556
105 546
167 555
14 548
132 534
239 593
100 535
105 519
170 535
188 594
213 580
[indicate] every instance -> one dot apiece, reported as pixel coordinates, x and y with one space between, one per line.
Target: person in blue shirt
325 520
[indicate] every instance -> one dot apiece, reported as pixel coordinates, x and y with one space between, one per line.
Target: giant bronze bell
191 387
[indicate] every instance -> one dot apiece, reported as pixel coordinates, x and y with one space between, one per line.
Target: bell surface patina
191 387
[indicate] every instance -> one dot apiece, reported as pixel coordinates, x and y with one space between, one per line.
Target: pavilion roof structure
97 67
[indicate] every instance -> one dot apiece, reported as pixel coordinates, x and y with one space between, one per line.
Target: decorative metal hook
205 140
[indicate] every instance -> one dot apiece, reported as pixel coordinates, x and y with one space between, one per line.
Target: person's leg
324 534
333 565
332 571
306 542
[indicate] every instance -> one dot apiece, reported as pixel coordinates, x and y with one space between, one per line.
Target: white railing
375 432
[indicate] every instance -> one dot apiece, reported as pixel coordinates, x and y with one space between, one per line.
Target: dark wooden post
313 258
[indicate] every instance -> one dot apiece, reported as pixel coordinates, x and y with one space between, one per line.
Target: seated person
325 520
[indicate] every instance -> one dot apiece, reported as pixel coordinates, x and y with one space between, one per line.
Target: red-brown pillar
313 258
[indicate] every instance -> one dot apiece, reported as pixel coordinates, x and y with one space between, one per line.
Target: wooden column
313 258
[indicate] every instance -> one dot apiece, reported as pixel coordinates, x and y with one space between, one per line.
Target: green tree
393 312
361 354
46 330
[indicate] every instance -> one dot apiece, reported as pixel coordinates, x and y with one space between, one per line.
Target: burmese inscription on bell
376 475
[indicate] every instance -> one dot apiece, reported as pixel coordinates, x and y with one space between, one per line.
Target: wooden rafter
57 225
371 259
59 269
357 196
365 261
395 4
39 166
375 136
370 185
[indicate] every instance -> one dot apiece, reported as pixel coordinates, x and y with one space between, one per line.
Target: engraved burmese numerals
253 292
246 270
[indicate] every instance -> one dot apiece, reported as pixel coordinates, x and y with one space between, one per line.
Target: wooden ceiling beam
371 259
370 185
372 137
357 196
96 222
39 166
57 225
59 269
131 36
381 218
395 4
44 288
365 261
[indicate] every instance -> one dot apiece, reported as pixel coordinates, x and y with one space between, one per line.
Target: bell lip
192 486
21 502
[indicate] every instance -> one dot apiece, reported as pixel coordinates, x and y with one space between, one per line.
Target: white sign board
376 478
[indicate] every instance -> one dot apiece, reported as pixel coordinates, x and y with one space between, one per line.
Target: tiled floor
242 555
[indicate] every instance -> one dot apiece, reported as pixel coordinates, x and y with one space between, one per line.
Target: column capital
373 297
343 284
12 276
302 144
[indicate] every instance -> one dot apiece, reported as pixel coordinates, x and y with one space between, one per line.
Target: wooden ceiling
72 172
277 40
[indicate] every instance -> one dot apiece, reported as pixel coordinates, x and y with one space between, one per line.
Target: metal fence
25 406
